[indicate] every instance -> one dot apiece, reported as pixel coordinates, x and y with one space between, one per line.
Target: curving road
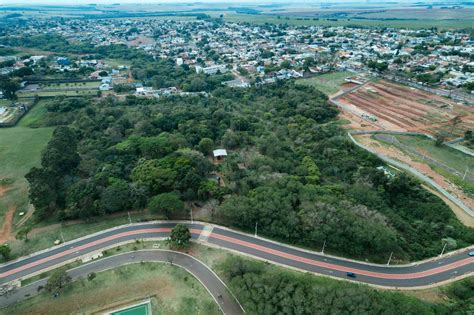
214 285
421 274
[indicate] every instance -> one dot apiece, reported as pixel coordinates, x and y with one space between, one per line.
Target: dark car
351 274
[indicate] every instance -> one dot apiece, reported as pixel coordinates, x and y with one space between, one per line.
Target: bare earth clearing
6 231
4 190
399 108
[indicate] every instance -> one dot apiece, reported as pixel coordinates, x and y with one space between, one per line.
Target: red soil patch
4 190
5 233
400 108
348 86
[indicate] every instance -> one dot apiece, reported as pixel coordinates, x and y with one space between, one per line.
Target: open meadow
20 150
328 83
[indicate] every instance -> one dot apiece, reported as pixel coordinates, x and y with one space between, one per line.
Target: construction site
384 105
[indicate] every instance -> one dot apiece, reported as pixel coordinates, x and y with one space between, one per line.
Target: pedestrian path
205 233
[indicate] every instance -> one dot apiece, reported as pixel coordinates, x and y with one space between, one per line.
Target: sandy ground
426 170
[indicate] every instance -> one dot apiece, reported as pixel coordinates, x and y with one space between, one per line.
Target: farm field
171 289
328 83
20 149
400 108
292 19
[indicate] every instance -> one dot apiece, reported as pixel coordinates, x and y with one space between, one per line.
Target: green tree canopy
168 204
180 236
58 280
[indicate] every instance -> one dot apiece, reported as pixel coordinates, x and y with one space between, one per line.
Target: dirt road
5 233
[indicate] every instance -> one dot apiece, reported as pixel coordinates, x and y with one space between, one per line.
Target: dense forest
266 289
291 169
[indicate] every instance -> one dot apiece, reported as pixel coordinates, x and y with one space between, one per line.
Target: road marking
205 233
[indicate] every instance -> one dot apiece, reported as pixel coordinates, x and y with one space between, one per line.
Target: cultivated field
292 19
399 108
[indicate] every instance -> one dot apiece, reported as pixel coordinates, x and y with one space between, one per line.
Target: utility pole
256 227
465 173
444 247
129 218
191 211
324 245
390 258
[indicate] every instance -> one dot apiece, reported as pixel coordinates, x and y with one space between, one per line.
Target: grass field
172 291
408 23
20 149
327 83
35 116
57 93
444 154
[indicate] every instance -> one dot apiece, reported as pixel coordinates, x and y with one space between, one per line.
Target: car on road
471 253
351 274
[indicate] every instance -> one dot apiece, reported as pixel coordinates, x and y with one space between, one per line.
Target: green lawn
20 149
327 83
35 116
171 289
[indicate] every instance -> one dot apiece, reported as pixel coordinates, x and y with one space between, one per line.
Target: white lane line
205 233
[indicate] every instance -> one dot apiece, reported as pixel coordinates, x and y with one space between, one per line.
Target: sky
76 2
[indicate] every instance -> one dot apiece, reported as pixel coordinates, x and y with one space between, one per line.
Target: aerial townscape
258 157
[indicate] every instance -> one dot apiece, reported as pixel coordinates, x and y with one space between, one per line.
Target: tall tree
9 87
58 280
180 236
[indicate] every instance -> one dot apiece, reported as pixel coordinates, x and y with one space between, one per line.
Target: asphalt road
414 275
218 290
